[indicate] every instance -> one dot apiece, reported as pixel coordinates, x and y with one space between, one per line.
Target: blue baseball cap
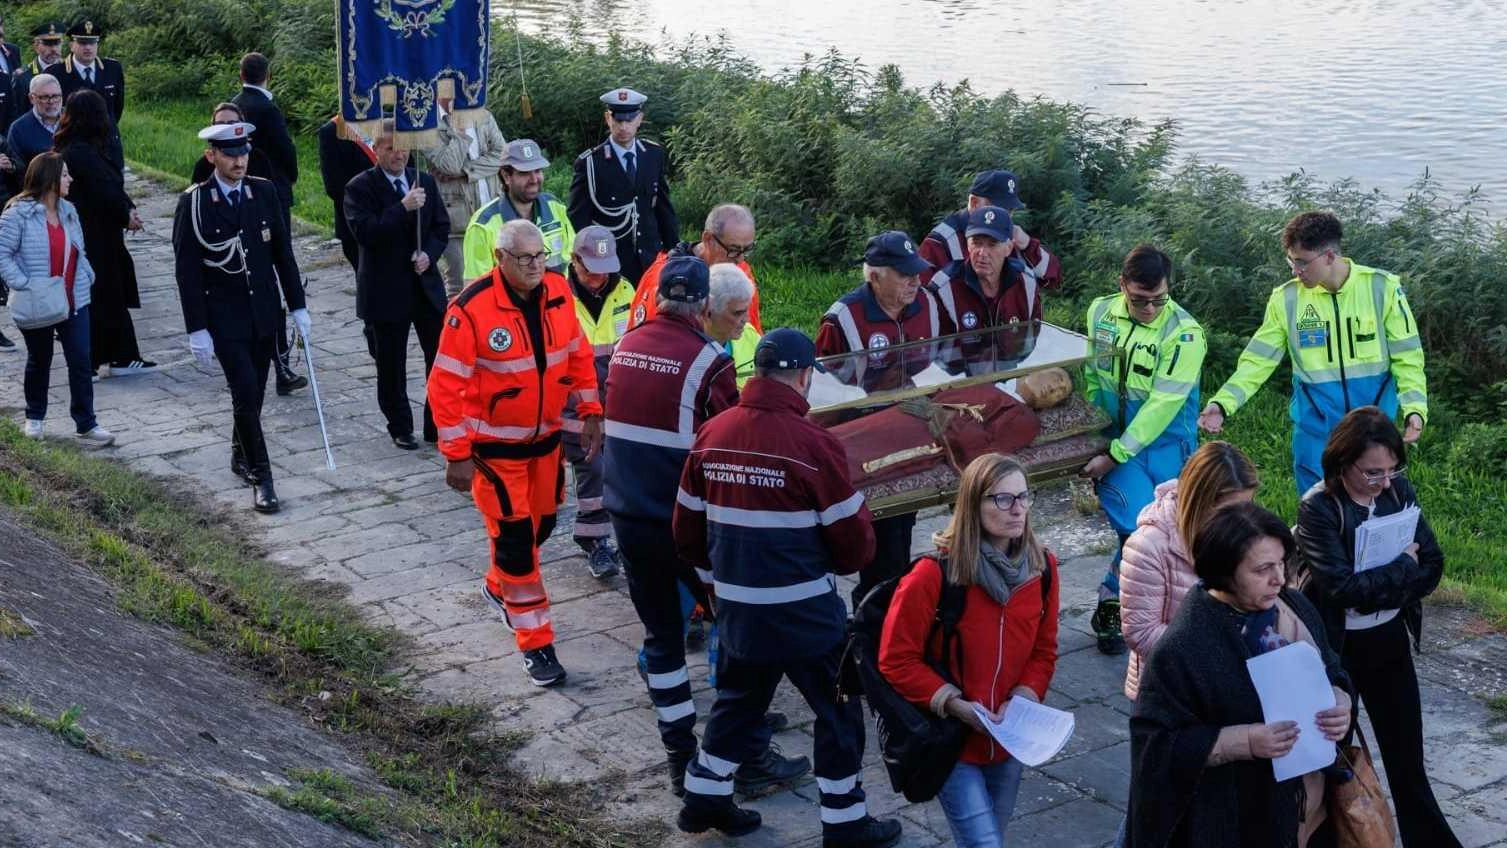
990 221
998 187
894 249
685 279
786 349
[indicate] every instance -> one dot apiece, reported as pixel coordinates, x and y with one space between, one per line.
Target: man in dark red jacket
947 242
765 505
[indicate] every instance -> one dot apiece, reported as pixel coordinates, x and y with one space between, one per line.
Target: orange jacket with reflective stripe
487 384
646 293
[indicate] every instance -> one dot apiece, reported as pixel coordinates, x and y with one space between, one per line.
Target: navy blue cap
786 349
685 279
998 187
990 221
894 249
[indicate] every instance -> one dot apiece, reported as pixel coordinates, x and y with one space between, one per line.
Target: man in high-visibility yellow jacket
1352 339
603 300
522 196
1146 357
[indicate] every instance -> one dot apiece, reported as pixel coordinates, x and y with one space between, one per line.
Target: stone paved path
411 553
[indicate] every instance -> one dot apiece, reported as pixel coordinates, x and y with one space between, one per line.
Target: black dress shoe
290 385
240 469
406 441
264 497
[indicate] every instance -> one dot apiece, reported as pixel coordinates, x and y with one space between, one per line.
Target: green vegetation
13 626
175 563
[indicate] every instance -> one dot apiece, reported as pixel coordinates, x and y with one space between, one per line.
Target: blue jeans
73 332
978 802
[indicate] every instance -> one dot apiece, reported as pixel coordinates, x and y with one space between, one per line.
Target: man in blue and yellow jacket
1352 339
1146 357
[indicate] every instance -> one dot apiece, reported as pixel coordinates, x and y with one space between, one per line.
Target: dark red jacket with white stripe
856 322
766 503
946 243
666 378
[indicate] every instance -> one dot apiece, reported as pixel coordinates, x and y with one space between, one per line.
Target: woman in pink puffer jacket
1156 570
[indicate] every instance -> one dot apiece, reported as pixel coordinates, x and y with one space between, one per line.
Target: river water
1377 90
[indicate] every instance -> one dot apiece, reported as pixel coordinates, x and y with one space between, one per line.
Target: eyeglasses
735 251
527 260
1147 302
1374 477
1004 501
1299 265
48 98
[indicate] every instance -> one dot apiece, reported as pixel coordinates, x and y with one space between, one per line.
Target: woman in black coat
1375 616
85 137
1200 748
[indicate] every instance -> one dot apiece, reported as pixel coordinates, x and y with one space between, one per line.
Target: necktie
89 75
632 166
235 198
397 183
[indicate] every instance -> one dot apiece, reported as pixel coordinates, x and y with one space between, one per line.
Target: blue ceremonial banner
408 54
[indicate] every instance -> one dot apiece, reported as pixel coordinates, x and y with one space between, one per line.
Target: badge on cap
910 248
601 248
528 151
988 217
88 27
1012 186
622 95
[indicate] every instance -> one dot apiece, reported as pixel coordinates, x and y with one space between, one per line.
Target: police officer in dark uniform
10 63
85 68
47 43
620 184
232 252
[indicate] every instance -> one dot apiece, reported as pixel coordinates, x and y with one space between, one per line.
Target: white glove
202 347
303 322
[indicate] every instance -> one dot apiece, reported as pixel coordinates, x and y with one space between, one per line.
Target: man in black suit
340 160
273 140
232 251
85 68
401 237
10 63
620 184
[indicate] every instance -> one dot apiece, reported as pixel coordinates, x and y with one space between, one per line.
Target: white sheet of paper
1293 687
932 375
827 390
1381 539
1033 733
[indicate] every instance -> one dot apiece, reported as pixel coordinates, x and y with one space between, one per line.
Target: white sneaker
98 437
33 428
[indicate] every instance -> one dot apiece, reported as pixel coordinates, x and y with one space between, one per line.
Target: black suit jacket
387 235
271 137
243 305
8 107
658 228
339 162
109 81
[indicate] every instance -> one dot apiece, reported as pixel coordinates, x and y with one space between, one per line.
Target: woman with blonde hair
1008 633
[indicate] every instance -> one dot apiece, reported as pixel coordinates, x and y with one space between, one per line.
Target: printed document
1381 539
1292 686
1033 733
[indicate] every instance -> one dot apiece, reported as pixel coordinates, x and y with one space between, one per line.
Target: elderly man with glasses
728 236
32 132
1352 339
1146 355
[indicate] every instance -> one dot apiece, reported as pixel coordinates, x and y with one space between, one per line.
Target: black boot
241 470
678 762
264 497
867 832
728 818
287 381
768 771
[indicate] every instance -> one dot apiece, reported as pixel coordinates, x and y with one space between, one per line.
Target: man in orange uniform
727 237
510 353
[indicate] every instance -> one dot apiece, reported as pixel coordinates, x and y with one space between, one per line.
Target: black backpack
919 748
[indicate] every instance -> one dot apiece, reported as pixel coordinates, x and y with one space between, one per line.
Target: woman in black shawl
87 139
1199 748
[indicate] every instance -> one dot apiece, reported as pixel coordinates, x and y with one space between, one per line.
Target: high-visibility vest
1355 347
742 350
1145 376
602 333
481 233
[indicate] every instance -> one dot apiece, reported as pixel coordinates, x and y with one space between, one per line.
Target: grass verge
176 564
65 726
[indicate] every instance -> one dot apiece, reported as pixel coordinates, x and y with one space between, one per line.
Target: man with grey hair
32 132
400 235
727 317
727 237
511 354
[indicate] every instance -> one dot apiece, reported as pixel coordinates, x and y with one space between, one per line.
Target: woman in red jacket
1008 631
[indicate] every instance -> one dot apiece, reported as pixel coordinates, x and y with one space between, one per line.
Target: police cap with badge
230 139
50 32
87 32
624 103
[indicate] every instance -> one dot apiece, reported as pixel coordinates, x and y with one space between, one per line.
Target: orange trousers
517 499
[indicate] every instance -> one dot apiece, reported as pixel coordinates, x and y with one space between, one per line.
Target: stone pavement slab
410 553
